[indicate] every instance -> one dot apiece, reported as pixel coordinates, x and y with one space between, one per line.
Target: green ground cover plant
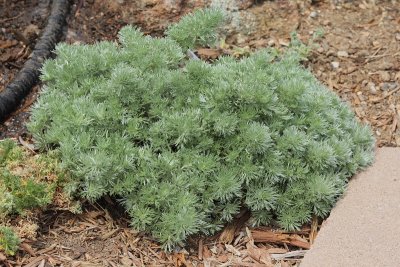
9 241
185 144
26 181
27 184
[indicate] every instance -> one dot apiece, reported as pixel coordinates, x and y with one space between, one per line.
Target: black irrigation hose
28 76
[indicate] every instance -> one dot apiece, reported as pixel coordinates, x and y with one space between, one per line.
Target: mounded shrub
185 144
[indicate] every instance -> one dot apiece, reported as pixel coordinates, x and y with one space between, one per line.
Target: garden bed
364 75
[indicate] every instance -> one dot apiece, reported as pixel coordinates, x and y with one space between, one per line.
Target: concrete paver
364 227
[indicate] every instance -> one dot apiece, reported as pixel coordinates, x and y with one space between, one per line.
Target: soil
358 57
21 22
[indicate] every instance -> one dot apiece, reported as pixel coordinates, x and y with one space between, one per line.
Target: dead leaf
208 53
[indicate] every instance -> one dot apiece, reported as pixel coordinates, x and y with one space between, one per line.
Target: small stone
388 86
397 36
320 49
313 14
335 64
385 76
342 54
364 83
372 88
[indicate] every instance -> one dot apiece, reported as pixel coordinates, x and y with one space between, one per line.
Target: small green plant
303 50
26 181
9 241
186 144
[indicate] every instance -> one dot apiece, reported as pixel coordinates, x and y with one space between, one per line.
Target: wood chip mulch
97 238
